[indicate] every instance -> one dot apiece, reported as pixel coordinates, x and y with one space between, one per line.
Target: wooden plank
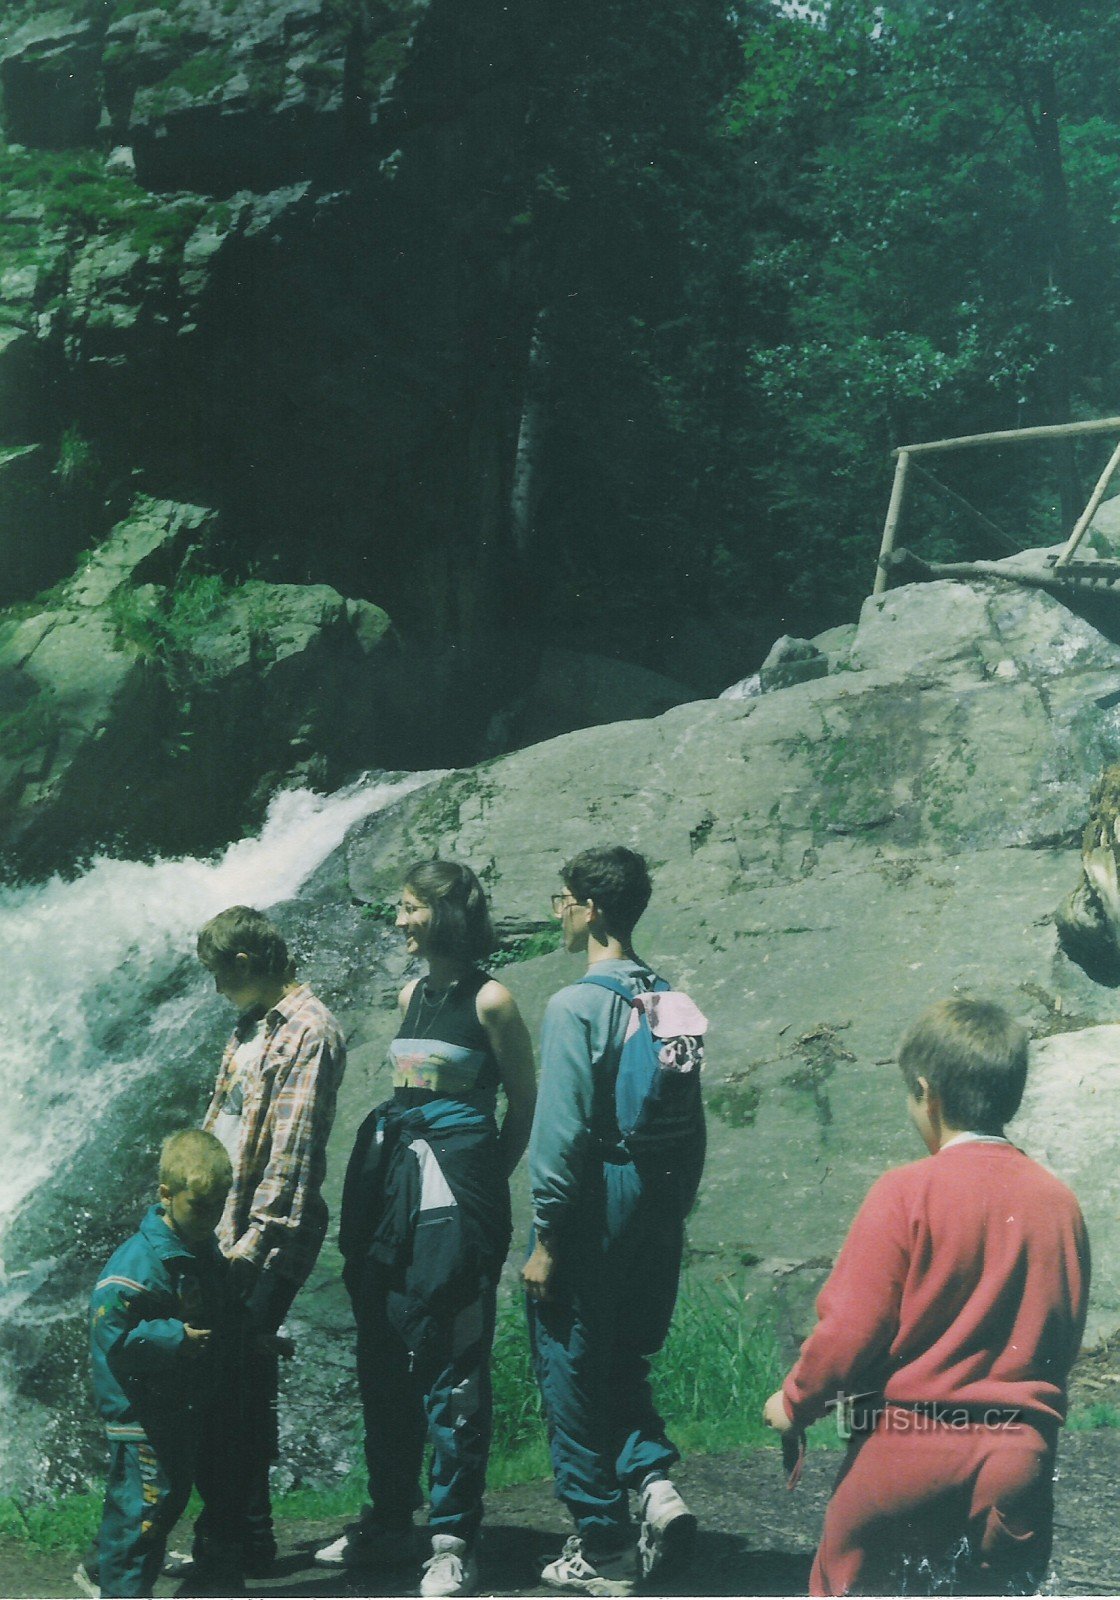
906 563
1057 430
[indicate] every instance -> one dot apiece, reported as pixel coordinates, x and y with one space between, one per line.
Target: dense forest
586 328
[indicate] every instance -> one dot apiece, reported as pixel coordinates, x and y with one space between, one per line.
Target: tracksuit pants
442 1394
608 1312
923 1507
148 1489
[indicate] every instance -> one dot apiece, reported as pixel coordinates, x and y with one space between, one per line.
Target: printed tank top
441 1048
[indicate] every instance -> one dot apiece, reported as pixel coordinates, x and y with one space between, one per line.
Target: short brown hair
242 930
191 1156
974 1058
618 881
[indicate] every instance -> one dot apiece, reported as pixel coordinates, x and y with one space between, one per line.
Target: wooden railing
904 457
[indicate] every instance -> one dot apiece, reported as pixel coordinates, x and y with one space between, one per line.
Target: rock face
830 858
147 702
257 253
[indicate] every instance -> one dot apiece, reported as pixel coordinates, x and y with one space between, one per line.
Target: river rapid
112 1040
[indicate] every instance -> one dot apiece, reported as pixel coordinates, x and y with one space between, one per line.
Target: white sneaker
668 1529
450 1569
600 1575
366 1544
85 1583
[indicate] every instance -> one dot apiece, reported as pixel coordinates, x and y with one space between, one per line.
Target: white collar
974 1138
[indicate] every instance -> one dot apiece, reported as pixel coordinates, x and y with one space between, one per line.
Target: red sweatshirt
964 1280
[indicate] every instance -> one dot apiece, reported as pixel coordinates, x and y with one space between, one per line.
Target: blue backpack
657 1091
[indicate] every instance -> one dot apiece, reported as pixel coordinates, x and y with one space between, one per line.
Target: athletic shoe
579 1572
177 1564
450 1569
668 1529
258 1556
86 1581
366 1543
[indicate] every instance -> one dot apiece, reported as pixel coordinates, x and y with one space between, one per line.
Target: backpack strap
601 981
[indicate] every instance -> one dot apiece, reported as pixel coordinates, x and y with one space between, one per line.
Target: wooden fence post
894 515
1090 510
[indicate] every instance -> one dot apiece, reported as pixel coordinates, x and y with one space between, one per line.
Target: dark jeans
239 1442
446 1398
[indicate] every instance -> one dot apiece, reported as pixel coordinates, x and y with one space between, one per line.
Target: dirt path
755 1538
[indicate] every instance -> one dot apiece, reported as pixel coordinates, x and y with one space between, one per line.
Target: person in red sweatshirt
953 1314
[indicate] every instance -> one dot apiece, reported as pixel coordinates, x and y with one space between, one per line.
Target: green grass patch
68 1523
541 943
1099 1415
167 631
198 75
79 198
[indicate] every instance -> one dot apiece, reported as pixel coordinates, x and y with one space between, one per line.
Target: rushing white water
78 954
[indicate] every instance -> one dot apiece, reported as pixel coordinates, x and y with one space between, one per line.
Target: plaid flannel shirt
276 1216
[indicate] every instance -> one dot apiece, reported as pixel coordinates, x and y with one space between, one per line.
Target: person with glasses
601 1281
424 1233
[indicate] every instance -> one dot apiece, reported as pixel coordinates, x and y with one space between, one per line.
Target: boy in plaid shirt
272 1109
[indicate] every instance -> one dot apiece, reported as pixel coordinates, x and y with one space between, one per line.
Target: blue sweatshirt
575 1122
152 1286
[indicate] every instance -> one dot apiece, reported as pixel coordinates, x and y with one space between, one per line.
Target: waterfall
106 995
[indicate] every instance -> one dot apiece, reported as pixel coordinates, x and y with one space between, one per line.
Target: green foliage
540 943
166 630
168 228
384 911
77 460
30 728
719 1365
927 234
201 73
75 196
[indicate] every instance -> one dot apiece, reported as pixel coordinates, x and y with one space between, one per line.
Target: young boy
958 1303
157 1308
272 1108
602 1280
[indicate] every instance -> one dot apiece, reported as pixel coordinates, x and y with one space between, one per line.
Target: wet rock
152 699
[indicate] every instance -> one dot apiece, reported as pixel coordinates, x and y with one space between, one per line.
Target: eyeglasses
561 901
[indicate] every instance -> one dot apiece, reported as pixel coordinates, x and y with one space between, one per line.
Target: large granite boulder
829 858
148 700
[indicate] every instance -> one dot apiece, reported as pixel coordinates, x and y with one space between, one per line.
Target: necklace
437 1006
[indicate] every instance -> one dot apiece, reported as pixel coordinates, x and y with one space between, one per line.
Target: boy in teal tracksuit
602 1279
156 1317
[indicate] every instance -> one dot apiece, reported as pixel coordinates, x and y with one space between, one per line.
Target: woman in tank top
425 1229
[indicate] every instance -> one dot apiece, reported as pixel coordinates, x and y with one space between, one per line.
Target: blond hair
191 1157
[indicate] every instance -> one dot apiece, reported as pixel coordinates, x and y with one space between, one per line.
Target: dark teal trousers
618 1271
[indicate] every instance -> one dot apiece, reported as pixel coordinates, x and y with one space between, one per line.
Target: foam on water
77 954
